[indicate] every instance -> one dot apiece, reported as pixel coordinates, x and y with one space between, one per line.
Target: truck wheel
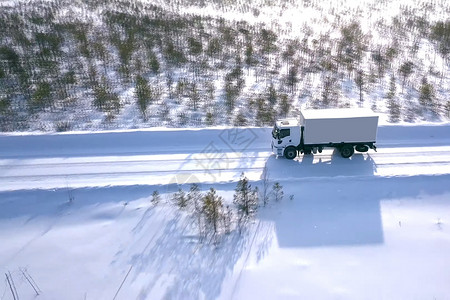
290 152
361 148
347 151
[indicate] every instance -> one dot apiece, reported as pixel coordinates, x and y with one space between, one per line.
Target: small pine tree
194 46
42 96
154 64
272 95
264 112
180 199
265 186
330 91
194 96
426 96
214 47
360 82
227 219
213 210
4 105
285 105
394 110
245 198
292 78
194 197
105 99
143 95
240 120
156 197
209 119
277 190
406 69
447 109
249 54
393 106
392 88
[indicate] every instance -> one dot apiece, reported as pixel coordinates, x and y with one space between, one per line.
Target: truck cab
285 133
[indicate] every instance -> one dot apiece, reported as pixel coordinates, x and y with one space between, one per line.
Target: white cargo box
323 126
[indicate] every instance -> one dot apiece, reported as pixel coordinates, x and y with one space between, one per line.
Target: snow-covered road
76 215
212 156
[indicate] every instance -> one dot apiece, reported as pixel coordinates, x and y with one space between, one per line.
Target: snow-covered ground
76 217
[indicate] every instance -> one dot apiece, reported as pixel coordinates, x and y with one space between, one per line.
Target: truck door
284 136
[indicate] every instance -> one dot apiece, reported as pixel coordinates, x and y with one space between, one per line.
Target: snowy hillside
78 218
92 65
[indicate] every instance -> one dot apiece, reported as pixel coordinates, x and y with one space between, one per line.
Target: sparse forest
212 216
89 64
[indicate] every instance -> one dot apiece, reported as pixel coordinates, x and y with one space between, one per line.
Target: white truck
346 129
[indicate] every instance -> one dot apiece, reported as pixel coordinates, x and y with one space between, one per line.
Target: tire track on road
159 168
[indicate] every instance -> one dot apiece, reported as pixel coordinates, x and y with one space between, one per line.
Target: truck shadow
338 202
326 211
322 221
322 165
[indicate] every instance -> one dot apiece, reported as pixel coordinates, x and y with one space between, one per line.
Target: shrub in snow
156 197
63 126
277 190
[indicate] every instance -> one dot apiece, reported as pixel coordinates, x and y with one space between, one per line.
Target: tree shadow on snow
177 266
